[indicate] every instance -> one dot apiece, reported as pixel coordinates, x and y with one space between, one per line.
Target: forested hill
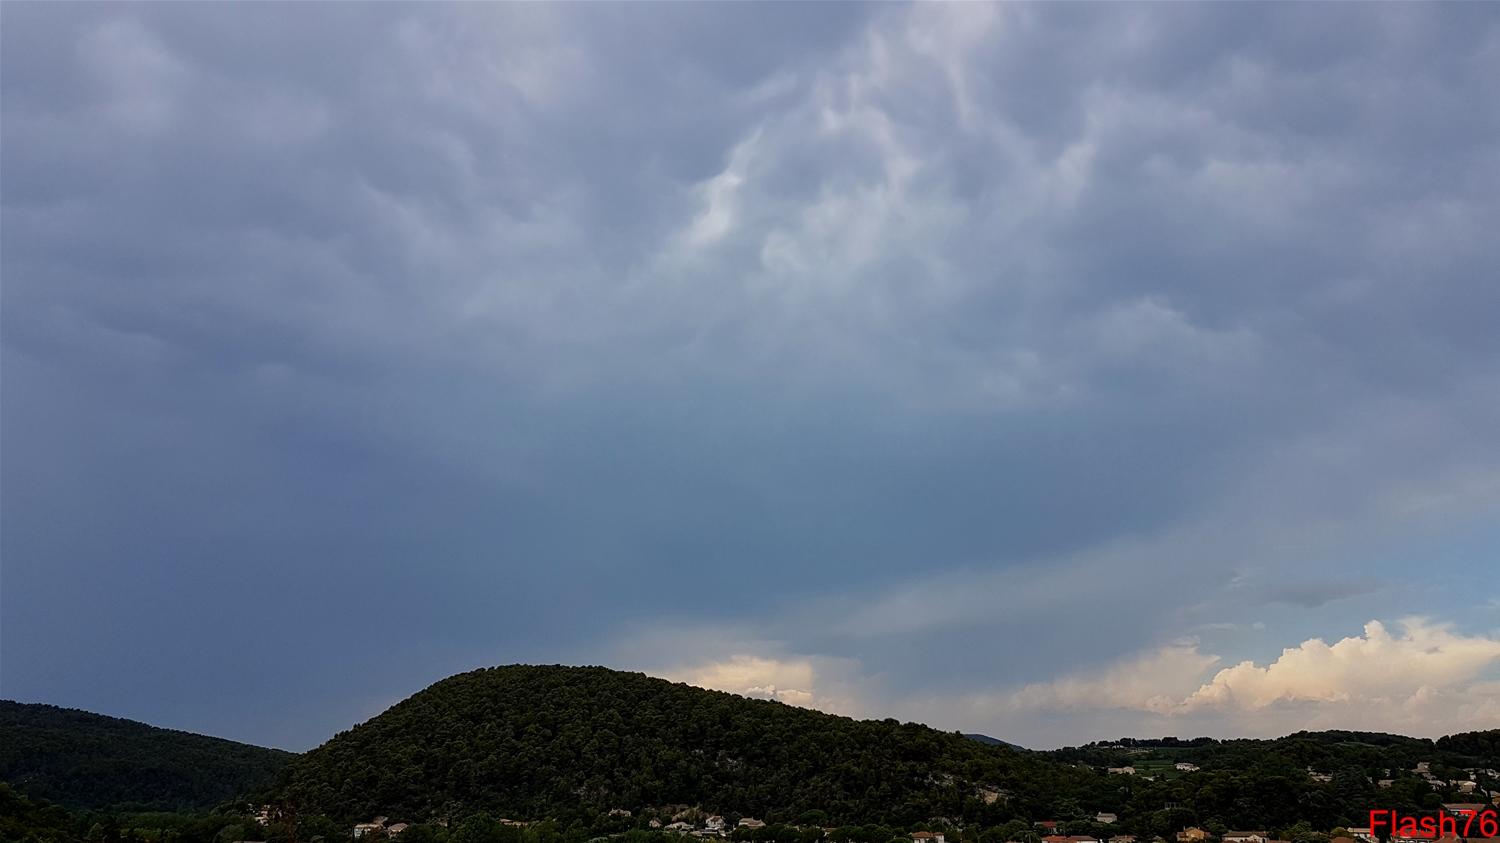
84 760
992 741
571 744
1329 751
543 741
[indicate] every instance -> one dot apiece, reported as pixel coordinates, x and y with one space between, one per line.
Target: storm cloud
894 359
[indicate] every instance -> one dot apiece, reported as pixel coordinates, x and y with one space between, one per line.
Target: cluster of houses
1356 835
1180 766
380 826
690 823
1469 785
713 826
1422 770
1198 835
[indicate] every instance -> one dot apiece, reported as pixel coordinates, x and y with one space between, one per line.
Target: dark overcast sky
1058 372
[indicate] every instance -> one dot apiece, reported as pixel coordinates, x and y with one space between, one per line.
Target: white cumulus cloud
792 680
1424 657
1423 678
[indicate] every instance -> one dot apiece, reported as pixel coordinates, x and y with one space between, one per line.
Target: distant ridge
986 739
84 760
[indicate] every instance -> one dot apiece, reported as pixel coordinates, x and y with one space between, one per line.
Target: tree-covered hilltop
572 743
1374 752
1316 749
533 741
1324 779
565 747
83 760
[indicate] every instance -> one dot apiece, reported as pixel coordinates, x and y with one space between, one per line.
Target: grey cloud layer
412 338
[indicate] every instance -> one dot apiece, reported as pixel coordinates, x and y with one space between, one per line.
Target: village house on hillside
1463 809
927 837
375 825
1246 837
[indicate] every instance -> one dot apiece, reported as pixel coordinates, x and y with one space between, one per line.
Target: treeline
26 820
1269 783
84 760
547 741
1321 750
564 746
571 743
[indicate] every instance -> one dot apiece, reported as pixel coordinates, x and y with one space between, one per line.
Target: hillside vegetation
1324 779
539 741
558 742
564 747
83 760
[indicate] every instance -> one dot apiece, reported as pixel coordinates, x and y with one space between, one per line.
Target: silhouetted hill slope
1325 750
986 739
541 741
571 743
84 760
